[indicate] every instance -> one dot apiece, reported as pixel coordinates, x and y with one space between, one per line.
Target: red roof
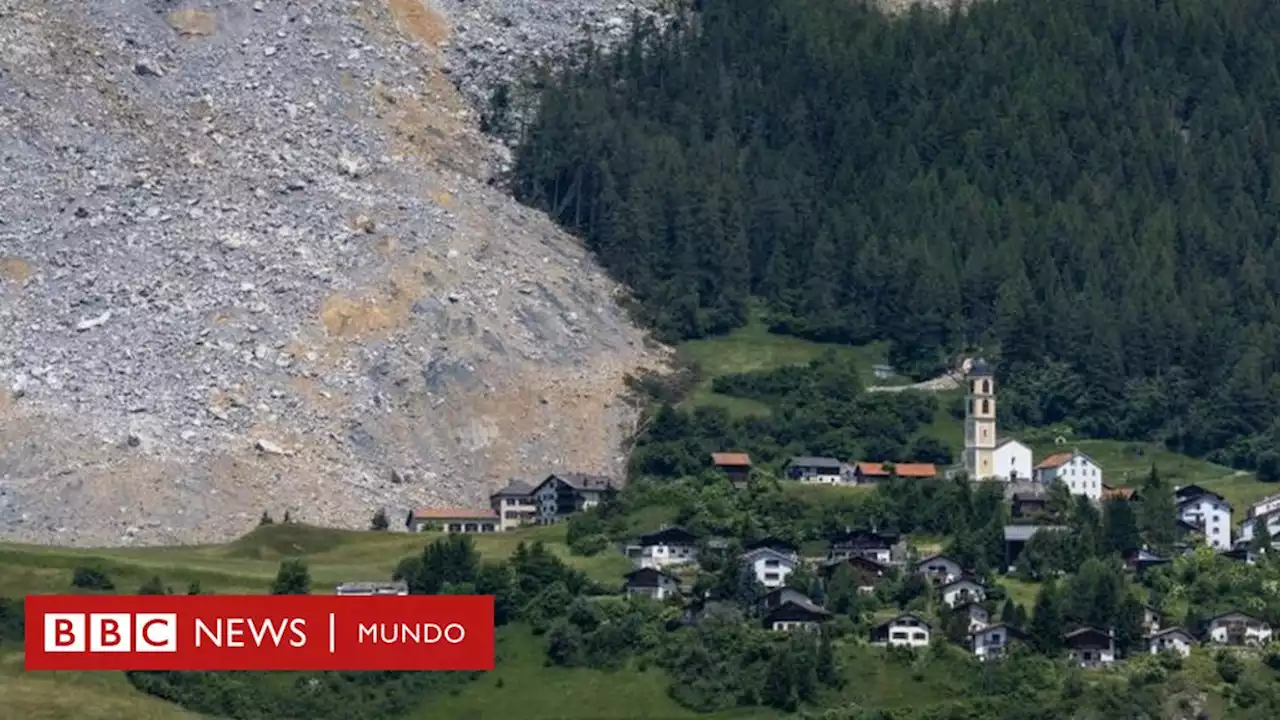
1054 461
920 470
454 514
729 459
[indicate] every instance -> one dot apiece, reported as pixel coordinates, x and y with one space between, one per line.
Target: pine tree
1157 514
1045 630
293 578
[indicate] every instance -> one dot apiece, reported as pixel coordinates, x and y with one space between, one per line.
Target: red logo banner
259 632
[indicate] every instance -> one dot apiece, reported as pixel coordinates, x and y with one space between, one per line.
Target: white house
821 470
1077 471
667 547
563 494
977 615
652 583
905 630
1012 461
1268 512
1237 628
939 568
789 609
1174 640
992 642
961 591
1265 506
772 566
1090 648
1207 510
1150 620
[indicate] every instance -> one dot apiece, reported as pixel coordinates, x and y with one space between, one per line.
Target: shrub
88 578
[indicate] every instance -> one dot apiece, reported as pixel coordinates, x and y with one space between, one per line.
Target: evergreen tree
1157 514
294 578
380 521
1045 630
1121 527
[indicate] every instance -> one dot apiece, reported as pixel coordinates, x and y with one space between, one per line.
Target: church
986 456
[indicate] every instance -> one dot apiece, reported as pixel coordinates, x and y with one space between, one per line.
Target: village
664 557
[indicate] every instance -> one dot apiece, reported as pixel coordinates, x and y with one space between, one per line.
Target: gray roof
807 461
1024 532
584 481
515 488
372 587
980 368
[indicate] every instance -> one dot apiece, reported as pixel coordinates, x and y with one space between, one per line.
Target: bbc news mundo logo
221 632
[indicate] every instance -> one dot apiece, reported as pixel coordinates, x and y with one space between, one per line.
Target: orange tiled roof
1115 493
921 470
454 514
1054 461
731 459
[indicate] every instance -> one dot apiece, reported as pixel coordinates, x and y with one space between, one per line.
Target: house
1270 522
652 583
1090 647
867 543
1027 499
905 630
1266 506
1237 628
1119 493
365 589
868 572
514 505
1150 620
978 616
1012 461
1188 535
1174 640
1016 537
961 591
666 547
453 520
1208 510
736 466
1141 560
1240 554
563 494
770 566
869 472
1077 471
939 568
821 470
992 642
788 609
783 546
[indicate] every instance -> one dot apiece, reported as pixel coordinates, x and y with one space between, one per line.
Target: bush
87 578
589 545
1230 666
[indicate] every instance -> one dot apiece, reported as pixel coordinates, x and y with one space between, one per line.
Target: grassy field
753 347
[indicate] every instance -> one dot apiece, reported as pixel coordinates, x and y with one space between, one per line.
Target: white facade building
1209 511
1237 628
980 422
963 591
817 470
771 566
991 642
1012 461
906 630
1077 471
668 547
1174 640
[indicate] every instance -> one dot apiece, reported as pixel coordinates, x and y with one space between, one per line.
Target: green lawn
753 347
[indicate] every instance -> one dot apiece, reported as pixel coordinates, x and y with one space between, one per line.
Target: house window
919 636
899 635
771 563
771 576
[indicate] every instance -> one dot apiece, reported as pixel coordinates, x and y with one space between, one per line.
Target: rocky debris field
250 260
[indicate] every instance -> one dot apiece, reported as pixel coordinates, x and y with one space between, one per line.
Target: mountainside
250 260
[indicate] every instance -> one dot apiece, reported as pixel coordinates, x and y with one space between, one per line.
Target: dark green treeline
1088 190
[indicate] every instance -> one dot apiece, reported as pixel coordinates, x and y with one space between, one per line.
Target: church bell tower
980 422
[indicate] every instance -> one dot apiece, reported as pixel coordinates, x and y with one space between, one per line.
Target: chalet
977 615
774 543
869 472
939 568
736 466
821 470
666 547
1027 500
514 505
992 642
1207 510
868 572
563 494
1077 471
1141 560
1016 537
1119 493
792 610
652 583
961 591
1174 640
453 520
905 630
867 543
1237 628
1090 647
770 566
365 589
1012 461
